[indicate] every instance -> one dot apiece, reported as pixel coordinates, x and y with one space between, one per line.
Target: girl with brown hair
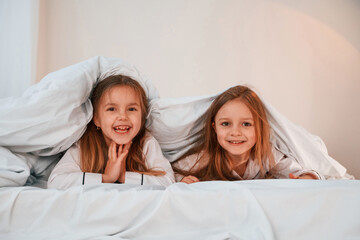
235 144
116 147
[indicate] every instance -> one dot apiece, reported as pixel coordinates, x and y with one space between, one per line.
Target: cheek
252 136
137 120
220 135
107 118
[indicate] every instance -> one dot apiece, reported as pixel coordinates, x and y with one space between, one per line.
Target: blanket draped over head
37 127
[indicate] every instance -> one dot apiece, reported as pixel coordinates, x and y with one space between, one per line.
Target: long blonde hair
215 162
93 148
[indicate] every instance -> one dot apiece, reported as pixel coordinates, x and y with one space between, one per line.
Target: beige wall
302 56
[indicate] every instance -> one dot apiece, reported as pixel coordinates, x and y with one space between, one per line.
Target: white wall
302 56
18 45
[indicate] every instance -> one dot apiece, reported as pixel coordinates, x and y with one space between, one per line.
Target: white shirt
68 173
284 165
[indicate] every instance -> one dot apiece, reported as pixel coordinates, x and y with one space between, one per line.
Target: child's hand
116 164
190 179
303 176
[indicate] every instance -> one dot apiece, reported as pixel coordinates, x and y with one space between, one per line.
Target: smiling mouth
122 129
236 142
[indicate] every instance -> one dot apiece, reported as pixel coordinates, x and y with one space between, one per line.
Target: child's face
119 115
235 130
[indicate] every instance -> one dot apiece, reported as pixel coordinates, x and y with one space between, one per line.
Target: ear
96 120
213 125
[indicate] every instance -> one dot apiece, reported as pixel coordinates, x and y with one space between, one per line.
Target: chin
240 153
123 141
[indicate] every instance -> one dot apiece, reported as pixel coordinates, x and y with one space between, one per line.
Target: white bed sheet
255 209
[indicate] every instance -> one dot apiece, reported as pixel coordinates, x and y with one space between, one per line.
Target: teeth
236 142
122 129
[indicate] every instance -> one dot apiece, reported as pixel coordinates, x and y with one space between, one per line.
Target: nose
122 115
236 131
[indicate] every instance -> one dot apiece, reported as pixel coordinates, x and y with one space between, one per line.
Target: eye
132 109
111 109
247 124
225 124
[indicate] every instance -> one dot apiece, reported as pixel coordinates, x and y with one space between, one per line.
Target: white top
284 165
67 172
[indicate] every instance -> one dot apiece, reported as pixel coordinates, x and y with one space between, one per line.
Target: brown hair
215 162
93 148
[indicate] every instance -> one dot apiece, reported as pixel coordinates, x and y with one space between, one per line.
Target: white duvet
257 209
49 117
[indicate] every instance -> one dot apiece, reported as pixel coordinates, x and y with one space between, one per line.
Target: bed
37 127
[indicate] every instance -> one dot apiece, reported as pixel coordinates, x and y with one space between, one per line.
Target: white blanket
257 209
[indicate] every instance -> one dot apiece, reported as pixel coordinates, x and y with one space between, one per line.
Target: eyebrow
225 118
130 104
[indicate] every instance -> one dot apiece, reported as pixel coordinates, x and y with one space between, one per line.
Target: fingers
123 150
308 176
118 152
190 179
303 176
120 149
111 172
186 180
122 155
292 176
123 147
112 151
128 145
